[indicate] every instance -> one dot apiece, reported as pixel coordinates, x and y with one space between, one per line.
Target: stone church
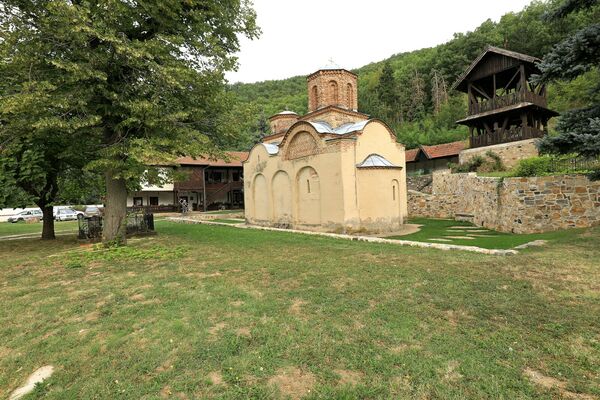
333 169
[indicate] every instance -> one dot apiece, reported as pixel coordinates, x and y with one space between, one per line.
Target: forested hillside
412 91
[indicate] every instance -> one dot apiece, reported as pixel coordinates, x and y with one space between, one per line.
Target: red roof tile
235 160
411 155
443 150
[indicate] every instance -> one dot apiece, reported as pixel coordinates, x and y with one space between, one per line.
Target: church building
333 169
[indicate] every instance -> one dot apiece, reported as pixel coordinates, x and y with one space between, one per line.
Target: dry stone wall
519 205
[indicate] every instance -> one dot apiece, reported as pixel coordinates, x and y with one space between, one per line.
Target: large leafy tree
146 77
578 54
44 132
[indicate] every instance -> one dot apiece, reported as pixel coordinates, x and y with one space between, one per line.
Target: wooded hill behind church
412 91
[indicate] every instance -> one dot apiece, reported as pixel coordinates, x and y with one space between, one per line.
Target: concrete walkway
371 239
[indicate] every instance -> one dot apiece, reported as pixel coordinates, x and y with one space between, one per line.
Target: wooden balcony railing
509 135
507 100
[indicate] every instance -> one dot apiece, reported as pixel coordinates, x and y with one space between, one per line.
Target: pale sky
300 36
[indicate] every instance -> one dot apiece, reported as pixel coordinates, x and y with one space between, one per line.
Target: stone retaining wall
519 205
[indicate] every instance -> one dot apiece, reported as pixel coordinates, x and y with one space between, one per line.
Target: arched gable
386 126
301 140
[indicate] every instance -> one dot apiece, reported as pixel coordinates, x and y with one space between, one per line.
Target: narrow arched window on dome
350 96
333 92
315 97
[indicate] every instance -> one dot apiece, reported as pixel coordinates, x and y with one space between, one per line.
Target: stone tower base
510 153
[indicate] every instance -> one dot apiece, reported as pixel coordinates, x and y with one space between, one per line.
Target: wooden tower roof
508 59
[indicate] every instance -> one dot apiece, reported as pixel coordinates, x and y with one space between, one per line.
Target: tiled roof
443 150
377 161
492 49
411 155
324 127
437 151
235 160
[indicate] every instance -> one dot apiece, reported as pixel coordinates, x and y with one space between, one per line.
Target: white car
26 216
65 214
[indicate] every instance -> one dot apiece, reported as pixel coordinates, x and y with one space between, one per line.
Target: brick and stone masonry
519 205
509 153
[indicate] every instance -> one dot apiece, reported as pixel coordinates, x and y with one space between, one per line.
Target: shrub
491 162
556 165
497 160
533 166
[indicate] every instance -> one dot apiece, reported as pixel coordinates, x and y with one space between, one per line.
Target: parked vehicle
65 214
26 215
91 211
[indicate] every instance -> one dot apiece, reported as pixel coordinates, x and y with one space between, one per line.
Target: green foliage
576 58
470 166
498 164
534 166
111 86
489 162
556 165
386 88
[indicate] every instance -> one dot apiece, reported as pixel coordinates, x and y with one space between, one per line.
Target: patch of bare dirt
404 347
167 365
347 377
451 374
454 317
293 382
215 329
357 325
245 332
400 384
547 382
4 352
237 303
166 392
215 377
92 316
296 307
138 297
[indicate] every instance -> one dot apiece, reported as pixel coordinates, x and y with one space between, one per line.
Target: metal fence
137 223
575 164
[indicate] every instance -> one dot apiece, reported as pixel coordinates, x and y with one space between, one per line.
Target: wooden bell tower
504 105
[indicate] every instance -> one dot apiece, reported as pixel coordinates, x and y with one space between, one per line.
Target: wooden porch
507 100
505 136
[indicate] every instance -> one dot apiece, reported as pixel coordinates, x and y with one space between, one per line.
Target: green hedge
553 165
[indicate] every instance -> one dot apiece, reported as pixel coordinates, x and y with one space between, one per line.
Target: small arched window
333 92
315 97
350 96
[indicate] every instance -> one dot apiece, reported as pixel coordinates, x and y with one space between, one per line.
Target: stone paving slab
371 239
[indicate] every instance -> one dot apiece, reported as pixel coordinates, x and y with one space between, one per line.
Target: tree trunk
48 223
115 211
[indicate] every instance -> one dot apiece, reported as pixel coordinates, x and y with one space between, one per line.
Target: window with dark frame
138 201
153 201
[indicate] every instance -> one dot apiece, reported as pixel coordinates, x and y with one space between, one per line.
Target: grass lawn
202 311
22 228
228 221
464 233
225 212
